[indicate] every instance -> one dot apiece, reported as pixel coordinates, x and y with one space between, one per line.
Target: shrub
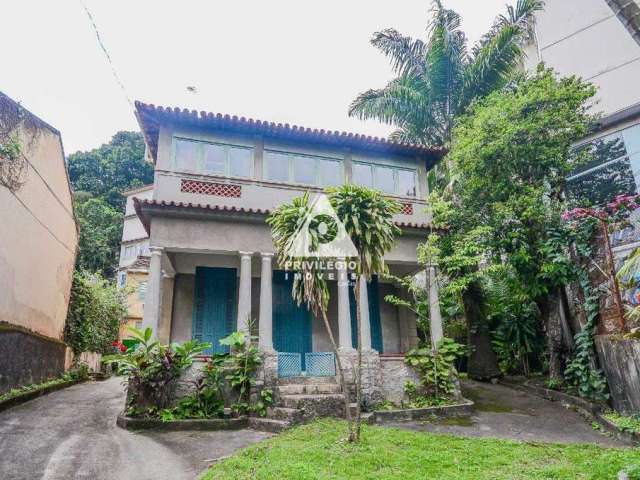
435 368
96 310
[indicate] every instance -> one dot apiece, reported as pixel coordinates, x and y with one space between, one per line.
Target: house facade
212 267
38 243
133 267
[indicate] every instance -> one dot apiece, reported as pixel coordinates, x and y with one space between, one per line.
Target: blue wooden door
374 315
291 324
214 309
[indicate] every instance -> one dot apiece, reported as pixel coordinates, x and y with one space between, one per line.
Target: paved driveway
71 434
503 412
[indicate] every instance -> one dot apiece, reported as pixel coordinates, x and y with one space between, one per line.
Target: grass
623 422
319 451
65 378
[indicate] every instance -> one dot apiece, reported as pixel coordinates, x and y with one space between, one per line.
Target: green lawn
318 451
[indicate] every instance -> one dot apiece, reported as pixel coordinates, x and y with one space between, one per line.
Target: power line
106 53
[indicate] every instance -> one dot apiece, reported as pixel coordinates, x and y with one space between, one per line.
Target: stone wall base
27 358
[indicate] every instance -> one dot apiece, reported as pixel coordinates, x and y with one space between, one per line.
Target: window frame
200 158
396 181
291 167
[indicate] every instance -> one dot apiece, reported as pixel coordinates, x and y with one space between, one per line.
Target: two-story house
212 268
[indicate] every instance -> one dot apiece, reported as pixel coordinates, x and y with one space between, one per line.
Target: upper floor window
122 279
213 158
611 167
392 180
304 169
142 290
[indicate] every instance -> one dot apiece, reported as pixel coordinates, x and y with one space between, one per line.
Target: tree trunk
343 382
482 364
550 311
356 436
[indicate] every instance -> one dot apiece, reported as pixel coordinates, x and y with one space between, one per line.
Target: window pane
240 162
602 184
362 175
215 157
187 155
407 183
330 173
142 290
632 139
384 180
276 166
304 170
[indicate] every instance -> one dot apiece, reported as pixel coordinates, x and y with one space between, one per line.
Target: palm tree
438 79
367 216
310 286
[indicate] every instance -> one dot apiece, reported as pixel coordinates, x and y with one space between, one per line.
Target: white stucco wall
585 38
38 240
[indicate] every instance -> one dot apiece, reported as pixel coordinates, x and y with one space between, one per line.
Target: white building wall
585 38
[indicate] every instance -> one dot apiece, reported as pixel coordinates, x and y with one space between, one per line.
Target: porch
207 296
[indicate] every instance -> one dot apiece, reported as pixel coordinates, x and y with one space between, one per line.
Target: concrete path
71 434
502 412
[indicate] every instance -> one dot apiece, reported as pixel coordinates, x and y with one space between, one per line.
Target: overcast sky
294 61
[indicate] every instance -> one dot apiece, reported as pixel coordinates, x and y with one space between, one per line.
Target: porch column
265 335
435 318
364 315
344 310
244 293
153 298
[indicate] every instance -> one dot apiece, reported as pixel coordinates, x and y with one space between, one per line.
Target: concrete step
309 389
292 415
306 380
268 424
309 401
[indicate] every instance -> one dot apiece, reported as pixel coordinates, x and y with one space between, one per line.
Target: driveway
502 412
72 434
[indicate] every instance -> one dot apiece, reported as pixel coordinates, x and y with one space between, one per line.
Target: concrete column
153 298
344 310
364 315
166 310
265 335
244 292
435 318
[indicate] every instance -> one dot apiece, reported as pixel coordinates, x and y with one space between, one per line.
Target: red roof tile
139 203
151 116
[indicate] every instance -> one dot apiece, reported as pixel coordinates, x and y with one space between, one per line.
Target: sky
291 61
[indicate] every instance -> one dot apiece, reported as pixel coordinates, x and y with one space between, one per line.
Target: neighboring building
212 267
599 41
133 269
38 243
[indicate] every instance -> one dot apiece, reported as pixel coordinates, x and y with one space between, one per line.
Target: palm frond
406 54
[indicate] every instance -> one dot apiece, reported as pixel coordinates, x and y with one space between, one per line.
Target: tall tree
510 157
98 178
112 168
437 81
439 78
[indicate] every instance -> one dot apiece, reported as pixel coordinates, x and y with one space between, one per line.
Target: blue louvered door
374 315
291 324
214 312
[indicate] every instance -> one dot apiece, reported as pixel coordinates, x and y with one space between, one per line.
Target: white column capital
156 250
245 254
267 255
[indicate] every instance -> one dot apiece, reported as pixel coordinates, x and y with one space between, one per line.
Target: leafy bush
153 370
625 423
96 310
435 368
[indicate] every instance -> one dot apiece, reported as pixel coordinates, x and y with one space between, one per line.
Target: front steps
299 400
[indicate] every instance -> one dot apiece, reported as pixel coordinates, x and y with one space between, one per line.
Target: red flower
123 347
115 343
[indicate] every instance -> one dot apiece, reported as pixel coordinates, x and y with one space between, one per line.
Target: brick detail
210 188
407 209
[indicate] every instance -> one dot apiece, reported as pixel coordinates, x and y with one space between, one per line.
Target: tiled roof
140 203
141 263
151 116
